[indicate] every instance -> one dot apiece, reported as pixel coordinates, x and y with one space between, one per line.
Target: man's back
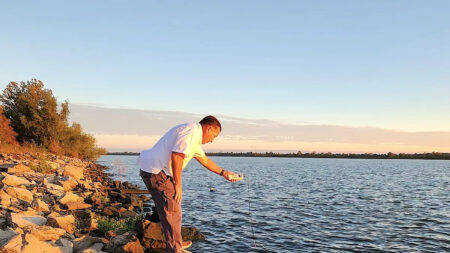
185 138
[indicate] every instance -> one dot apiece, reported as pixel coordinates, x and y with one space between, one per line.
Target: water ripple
316 205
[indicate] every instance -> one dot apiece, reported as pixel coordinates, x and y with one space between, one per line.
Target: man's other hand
178 193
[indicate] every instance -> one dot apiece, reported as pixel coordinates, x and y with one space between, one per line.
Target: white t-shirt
185 138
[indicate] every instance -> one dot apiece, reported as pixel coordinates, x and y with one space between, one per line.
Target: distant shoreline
389 155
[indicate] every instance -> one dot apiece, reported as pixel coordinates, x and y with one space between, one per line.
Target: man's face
210 133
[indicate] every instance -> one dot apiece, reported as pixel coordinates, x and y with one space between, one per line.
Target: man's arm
212 166
177 167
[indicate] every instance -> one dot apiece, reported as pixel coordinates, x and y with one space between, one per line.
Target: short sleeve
184 142
199 152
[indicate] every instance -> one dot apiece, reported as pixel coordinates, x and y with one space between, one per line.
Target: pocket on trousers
169 192
157 182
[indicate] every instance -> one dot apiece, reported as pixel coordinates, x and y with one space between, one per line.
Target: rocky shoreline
62 204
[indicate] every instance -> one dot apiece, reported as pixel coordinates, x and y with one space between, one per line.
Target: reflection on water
314 205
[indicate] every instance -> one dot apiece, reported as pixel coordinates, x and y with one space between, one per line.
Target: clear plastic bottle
236 176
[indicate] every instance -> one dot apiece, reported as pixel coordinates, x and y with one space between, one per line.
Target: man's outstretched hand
231 176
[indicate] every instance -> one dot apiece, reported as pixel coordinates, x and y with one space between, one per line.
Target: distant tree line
30 115
123 153
389 155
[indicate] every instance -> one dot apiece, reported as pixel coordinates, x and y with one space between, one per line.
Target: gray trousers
162 189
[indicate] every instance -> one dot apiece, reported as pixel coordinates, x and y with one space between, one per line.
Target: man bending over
161 166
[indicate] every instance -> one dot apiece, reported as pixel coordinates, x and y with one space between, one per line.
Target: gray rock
5 167
97 246
191 233
51 180
5 235
116 243
85 242
20 220
2 222
65 245
13 245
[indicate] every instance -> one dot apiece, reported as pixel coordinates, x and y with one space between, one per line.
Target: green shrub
42 166
117 225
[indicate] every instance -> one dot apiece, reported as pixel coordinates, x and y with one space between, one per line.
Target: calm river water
314 205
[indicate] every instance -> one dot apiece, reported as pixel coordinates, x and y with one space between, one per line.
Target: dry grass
22 149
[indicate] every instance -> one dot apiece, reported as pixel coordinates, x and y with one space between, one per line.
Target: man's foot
186 244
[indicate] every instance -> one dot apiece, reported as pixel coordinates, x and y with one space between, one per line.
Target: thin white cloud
119 121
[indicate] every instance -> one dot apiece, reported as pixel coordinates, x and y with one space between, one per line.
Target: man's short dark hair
211 121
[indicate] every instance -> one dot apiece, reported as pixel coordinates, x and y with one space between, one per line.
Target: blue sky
382 64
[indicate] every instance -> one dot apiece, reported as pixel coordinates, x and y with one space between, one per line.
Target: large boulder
5 166
151 235
127 214
86 220
95 248
70 197
65 245
51 180
133 247
13 245
123 243
5 236
150 230
39 205
75 172
21 220
35 245
20 193
34 176
55 189
5 199
111 211
52 186
85 242
77 205
12 180
191 234
21 205
19 169
45 233
68 183
66 222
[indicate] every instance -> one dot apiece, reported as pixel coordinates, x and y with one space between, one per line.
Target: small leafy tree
36 117
78 144
33 112
7 134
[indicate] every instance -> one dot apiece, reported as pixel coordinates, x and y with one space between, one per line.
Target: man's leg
162 189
